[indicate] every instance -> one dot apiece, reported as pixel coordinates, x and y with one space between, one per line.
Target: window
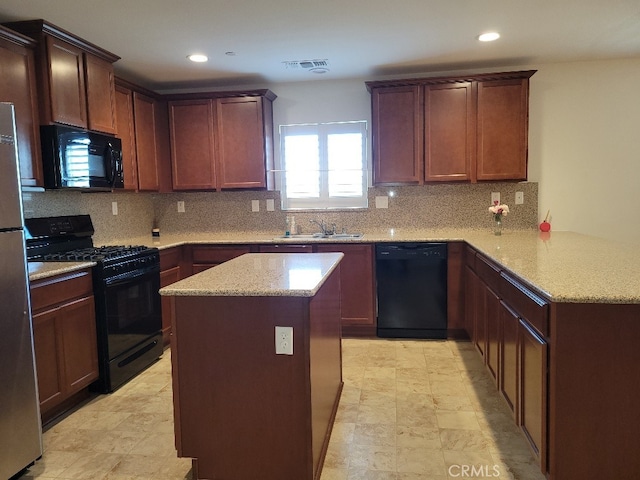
324 165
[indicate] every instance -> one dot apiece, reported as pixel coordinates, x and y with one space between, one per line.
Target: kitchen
562 126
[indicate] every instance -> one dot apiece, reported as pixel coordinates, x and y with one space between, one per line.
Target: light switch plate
114 208
180 206
270 205
255 205
495 196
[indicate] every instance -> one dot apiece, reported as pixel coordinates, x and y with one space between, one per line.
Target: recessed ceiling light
489 37
198 58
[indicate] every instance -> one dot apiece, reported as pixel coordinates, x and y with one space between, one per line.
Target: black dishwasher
412 290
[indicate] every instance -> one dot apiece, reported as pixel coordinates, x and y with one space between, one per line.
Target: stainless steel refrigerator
20 429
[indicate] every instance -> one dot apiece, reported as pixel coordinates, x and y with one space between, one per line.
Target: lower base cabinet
357 287
64 332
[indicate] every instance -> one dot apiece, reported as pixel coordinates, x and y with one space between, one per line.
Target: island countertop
260 275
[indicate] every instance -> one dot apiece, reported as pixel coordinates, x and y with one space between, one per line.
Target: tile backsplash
409 207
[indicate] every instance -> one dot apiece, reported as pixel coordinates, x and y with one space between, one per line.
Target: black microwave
76 158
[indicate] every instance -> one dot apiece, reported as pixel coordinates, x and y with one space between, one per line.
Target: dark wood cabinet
192 144
207 256
502 126
509 374
285 248
397 135
171 270
18 86
455 290
101 95
222 141
532 404
64 331
241 142
126 132
75 77
469 128
143 127
449 137
145 131
510 327
357 287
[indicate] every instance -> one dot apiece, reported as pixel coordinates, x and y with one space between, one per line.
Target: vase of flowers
498 210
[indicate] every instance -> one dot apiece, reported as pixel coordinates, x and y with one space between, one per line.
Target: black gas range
126 280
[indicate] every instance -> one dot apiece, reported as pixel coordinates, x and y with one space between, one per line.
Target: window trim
325 202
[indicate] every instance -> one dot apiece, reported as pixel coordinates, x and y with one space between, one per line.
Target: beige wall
584 146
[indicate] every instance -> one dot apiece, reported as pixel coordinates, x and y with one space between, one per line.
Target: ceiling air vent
315 66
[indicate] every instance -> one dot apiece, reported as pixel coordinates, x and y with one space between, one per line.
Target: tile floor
409 410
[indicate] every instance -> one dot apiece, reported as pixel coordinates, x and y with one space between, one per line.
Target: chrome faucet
325 228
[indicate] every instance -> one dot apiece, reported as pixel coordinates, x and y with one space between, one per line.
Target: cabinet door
101 102
502 125
67 86
17 85
492 321
397 134
533 389
455 290
480 325
47 344
357 286
240 143
126 132
145 131
470 287
192 144
78 324
167 277
509 356
449 113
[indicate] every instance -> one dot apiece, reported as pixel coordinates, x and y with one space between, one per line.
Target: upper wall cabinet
143 127
18 86
471 128
75 78
221 140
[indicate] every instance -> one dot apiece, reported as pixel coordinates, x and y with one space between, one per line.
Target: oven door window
133 311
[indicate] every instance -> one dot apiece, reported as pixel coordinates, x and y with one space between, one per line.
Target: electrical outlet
382 202
255 205
114 208
519 198
271 206
284 340
180 206
495 197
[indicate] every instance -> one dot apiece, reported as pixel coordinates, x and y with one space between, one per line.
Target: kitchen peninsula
242 410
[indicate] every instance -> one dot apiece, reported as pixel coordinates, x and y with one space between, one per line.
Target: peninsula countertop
260 275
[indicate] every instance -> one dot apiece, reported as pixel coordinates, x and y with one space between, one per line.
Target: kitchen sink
314 236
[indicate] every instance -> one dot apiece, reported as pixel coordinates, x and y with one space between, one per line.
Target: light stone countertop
563 266
40 270
260 275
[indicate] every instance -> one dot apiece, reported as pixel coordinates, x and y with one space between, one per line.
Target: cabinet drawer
530 306
170 258
286 248
59 289
488 272
217 254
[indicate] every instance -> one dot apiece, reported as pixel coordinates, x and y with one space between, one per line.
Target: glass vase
497 227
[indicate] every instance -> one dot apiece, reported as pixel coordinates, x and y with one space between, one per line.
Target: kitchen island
241 410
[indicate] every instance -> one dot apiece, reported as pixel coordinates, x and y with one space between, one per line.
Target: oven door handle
129 276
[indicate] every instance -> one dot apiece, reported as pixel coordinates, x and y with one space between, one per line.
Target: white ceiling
360 39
